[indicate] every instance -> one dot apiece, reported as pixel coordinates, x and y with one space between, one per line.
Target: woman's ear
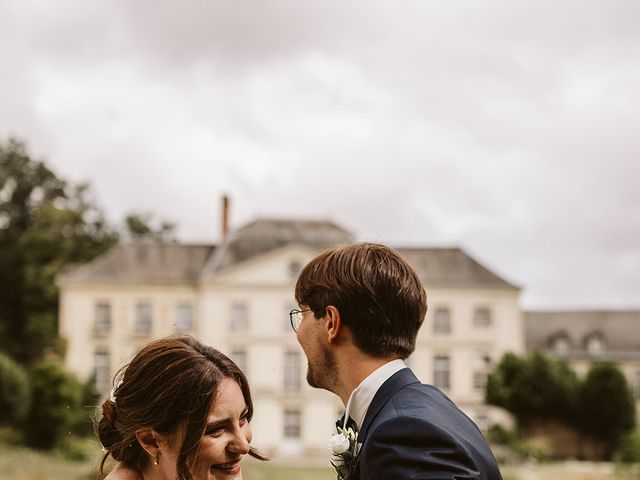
149 440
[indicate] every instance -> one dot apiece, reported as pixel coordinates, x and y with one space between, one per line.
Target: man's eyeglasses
296 318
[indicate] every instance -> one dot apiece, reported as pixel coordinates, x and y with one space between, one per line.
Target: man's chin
313 381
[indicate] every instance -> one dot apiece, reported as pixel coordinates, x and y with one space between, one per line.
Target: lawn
18 463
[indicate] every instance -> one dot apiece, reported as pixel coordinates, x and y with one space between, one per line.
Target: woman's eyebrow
223 421
212 425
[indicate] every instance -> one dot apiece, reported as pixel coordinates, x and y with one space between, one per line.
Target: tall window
239 317
102 320
292 372
239 356
184 317
481 366
442 320
143 319
292 424
102 370
482 317
441 372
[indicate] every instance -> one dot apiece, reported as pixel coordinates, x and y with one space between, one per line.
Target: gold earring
155 460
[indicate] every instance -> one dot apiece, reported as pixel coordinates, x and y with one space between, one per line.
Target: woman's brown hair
170 383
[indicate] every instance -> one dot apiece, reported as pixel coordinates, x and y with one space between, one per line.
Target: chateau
236 297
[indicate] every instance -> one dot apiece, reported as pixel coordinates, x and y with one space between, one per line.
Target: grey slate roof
151 263
620 330
451 267
264 235
147 263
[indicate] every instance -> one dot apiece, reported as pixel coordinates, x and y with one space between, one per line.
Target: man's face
321 368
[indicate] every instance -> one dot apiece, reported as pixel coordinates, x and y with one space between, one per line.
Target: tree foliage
46 225
14 392
533 388
536 388
56 399
140 226
607 409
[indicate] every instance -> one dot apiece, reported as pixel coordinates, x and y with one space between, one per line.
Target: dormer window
594 344
560 343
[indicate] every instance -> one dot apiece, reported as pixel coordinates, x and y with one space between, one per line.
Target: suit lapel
397 381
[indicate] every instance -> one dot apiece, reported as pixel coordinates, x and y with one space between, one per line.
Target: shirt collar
362 396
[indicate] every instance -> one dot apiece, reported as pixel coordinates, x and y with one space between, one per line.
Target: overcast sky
510 129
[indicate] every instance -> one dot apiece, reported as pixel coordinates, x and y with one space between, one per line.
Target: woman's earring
155 460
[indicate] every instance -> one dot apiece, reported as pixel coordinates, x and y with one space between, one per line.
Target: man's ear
149 440
333 323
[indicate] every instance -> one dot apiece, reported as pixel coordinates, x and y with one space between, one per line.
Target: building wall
472 349
121 342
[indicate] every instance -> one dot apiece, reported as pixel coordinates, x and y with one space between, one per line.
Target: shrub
14 392
533 388
56 398
607 409
83 417
629 449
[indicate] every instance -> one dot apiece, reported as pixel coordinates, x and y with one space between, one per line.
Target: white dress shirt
362 396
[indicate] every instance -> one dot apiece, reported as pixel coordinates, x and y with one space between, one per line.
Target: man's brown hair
379 295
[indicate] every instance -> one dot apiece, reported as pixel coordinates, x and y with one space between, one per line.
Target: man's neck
353 368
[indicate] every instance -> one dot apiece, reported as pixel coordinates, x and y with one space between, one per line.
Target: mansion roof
571 332
154 263
451 267
265 235
145 263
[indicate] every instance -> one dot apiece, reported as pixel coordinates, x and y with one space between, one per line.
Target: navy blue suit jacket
413 431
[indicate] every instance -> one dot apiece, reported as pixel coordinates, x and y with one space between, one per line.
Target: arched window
594 343
560 343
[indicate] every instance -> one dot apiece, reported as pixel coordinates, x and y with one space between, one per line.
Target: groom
361 306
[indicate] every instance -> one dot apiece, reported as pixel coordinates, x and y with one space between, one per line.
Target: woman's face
226 438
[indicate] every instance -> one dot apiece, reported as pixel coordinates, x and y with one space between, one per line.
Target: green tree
83 421
14 392
533 388
607 409
56 400
140 226
46 225
629 448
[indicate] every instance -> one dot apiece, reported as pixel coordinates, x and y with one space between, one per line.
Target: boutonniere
344 452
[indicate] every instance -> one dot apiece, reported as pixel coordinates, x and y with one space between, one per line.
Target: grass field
17 463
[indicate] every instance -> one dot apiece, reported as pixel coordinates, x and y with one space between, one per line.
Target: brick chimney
225 217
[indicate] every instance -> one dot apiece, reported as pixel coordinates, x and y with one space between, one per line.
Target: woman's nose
240 442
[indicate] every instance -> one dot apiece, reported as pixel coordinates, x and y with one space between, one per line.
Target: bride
180 410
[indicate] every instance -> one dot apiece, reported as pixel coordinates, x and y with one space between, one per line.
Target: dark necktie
350 423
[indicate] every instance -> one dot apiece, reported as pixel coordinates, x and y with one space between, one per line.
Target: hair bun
107 429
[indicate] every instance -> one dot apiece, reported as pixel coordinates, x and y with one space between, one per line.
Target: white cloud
508 129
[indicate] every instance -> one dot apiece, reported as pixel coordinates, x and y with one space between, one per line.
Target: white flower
339 443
